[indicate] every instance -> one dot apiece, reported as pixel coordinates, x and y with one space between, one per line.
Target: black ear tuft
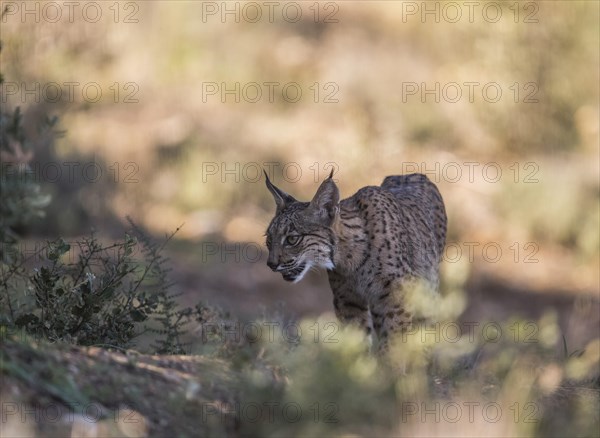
325 204
282 199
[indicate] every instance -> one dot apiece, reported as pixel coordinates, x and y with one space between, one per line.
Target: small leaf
57 249
138 315
25 319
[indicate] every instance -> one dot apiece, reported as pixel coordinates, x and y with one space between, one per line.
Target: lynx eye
292 240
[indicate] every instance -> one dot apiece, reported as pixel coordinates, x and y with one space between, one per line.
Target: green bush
107 296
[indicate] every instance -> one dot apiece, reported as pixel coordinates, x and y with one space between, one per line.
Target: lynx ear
325 204
281 198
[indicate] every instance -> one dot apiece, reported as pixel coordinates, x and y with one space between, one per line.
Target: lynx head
300 236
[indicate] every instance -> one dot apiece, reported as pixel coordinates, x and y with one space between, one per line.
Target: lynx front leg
390 318
350 308
400 313
350 312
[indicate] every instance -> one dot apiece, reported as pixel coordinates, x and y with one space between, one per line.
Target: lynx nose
272 264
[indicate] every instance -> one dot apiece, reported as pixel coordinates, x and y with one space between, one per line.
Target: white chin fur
328 265
304 271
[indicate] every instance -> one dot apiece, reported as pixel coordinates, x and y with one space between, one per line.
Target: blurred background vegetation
172 153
